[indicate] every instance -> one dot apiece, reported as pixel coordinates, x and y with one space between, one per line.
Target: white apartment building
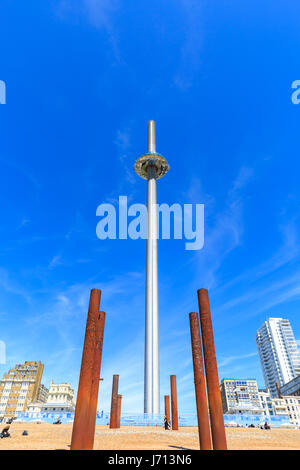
286 405
43 394
278 352
60 400
240 396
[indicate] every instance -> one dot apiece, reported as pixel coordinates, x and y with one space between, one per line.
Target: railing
140 419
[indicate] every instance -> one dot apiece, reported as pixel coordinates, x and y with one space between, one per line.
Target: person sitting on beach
4 432
166 423
266 425
58 421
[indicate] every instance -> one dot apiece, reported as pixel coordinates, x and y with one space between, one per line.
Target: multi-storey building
43 394
278 352
60 399
266 403
19 387
240 396
292 387
280 406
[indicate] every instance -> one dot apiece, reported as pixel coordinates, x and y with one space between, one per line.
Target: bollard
114 403
81 419
174 403
211 370
167 408
199 379
119 411
100 322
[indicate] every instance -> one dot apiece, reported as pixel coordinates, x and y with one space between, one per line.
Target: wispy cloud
223 231
225 361
190 58
55 261
100 14
123 143
13 286
243 177
25 221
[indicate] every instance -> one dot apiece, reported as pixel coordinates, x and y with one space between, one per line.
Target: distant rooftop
237 380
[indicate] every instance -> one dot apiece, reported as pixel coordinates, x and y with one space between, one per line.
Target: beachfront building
293 408
278 352
266 403
60 399
43 394
240 396
292 387
19 387
280 406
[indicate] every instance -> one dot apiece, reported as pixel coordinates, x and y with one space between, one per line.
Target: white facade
240 396
34 407
43 394
266 403
287 406
278 352
60 399
60 393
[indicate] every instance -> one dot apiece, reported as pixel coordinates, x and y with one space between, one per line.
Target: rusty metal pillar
174 403
114 403
100 322
278 390
212 376
119 410
199 379
81 419
167 408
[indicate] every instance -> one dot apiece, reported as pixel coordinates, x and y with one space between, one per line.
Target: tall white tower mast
151 166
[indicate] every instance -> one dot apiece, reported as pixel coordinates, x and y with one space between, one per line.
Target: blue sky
83 78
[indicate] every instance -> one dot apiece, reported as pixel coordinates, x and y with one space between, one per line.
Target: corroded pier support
200 388
114 403
211 370
80 436
119 410
174 403
100 322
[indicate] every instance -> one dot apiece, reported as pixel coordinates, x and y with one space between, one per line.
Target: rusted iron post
100 322
114 403
81 419
174 403
278 390
119 410
212 376
199 379
167 408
